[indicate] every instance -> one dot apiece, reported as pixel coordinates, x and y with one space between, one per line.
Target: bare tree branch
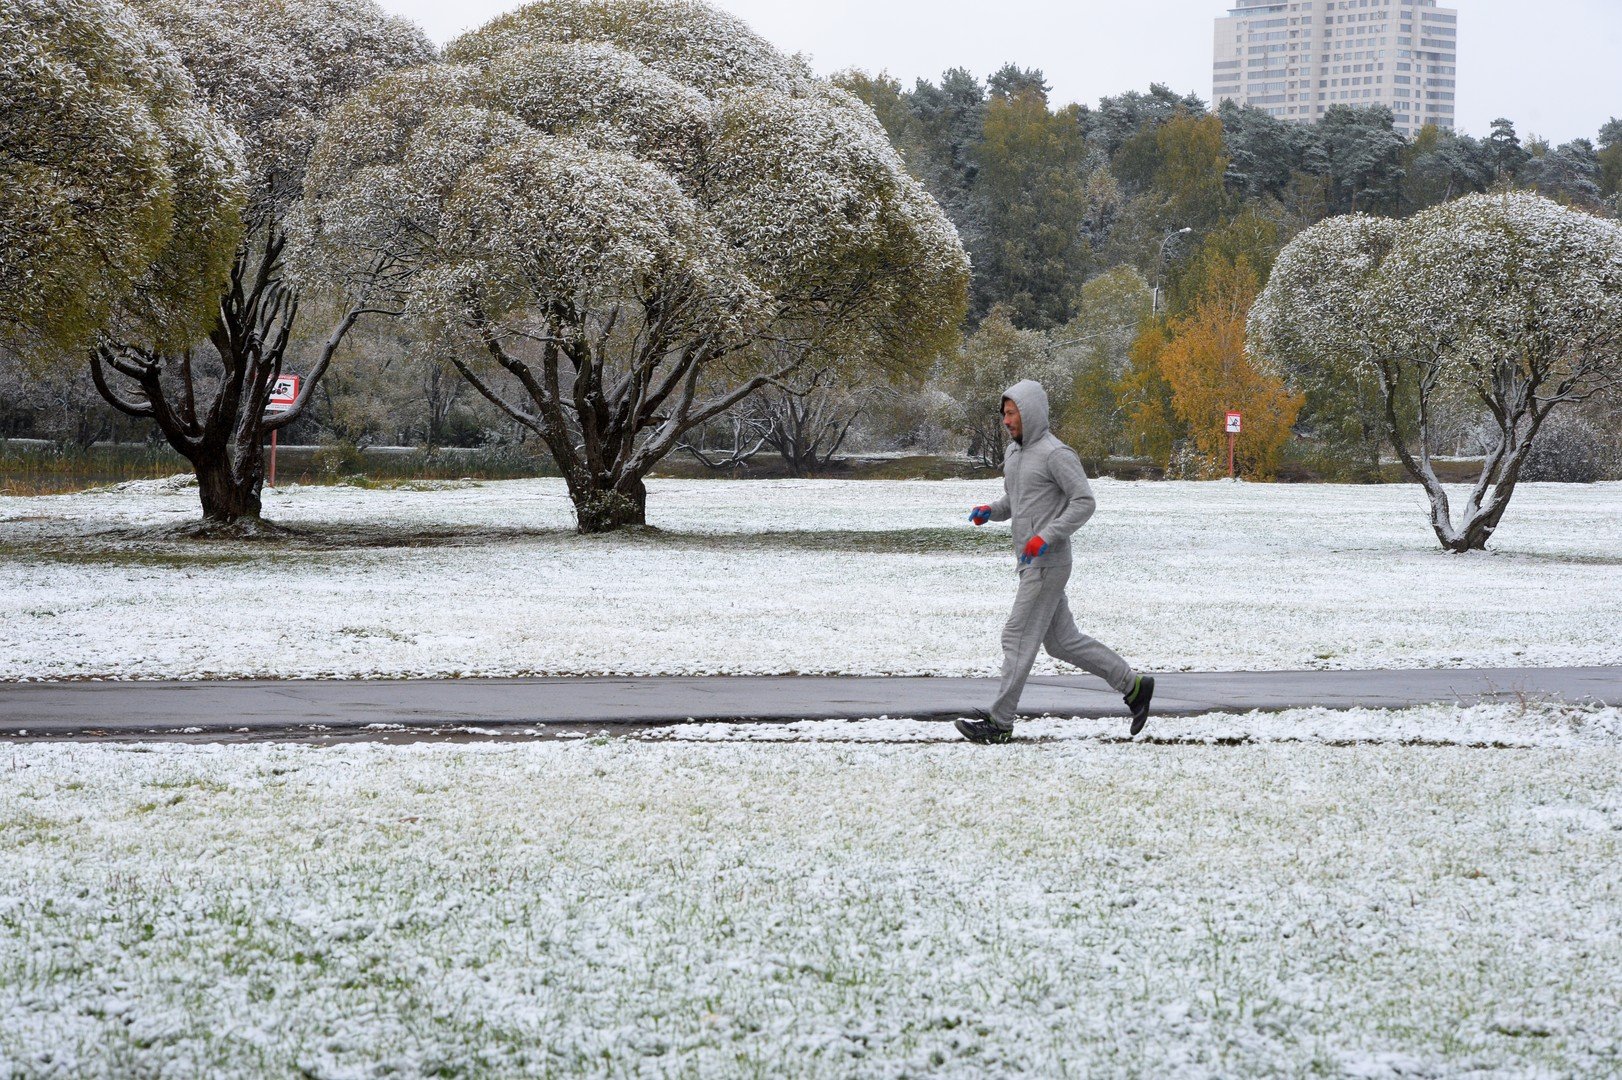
117 401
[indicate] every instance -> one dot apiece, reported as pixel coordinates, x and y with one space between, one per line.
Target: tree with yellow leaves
1203 363
1152 428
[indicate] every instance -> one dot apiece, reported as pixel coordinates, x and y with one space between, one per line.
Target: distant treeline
1046 198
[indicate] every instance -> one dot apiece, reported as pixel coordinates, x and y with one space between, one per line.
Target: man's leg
1041 591
1066 642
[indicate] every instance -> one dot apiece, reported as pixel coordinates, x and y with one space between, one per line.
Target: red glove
1033 547
980 515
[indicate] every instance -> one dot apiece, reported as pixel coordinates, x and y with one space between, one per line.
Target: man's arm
1065 468
997 511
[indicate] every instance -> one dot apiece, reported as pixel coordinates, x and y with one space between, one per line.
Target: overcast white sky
1552 66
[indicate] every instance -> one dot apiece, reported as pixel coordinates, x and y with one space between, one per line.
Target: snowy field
860 903
807 577
1431 892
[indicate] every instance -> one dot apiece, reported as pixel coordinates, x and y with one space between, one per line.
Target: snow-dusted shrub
632 215
1187 463
1509 300
1318 310
1567 451
119 192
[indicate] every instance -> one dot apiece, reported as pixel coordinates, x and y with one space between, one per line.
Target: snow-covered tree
1359 153
1570 173
1610 161
995 357
807 421
1441 165
1117 119
1265 153
1510 300
634 214
119 192
271 69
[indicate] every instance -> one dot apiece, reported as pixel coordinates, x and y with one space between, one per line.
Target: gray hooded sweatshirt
1045 491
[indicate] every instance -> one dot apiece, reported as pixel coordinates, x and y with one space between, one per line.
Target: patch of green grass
164 549
875 542
92 552
27 468
770 467
922 467
31 469
375 632
197 783
20 829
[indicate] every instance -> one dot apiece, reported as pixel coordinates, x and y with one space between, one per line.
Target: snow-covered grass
809 576
1535 725
833 908
1426 892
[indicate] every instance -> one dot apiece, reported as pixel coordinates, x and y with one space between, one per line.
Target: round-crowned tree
269 69
1511 301
119 192
631 215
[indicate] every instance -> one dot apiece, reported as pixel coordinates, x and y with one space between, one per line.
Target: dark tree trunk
988 447
602 509
607 434
230 494
89 430
440 393
1475 533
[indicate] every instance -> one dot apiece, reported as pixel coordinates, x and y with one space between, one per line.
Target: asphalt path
306 708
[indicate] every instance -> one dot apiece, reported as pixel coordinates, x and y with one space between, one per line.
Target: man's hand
1033 547
980 515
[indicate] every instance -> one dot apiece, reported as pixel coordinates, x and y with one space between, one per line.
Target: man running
1047 495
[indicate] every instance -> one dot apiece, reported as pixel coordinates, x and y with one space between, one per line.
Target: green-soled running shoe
1143 688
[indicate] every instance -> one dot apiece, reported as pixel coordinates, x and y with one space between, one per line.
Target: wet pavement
396 709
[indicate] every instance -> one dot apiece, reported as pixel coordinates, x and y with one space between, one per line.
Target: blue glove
980 515
1033 547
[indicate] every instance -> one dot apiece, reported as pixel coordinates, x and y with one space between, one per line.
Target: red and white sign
1235 423
283 393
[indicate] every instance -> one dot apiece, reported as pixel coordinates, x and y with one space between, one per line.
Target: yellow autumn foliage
1204 364
1144 398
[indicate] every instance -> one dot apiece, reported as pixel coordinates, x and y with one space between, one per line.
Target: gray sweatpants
1041 619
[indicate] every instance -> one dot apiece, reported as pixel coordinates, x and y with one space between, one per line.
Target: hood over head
1032 402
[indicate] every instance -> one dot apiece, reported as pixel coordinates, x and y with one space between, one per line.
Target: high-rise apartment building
1296 58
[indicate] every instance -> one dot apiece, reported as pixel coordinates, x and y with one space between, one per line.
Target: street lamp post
1160 263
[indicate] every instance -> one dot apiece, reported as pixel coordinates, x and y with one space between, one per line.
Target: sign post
282 395
1235 424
